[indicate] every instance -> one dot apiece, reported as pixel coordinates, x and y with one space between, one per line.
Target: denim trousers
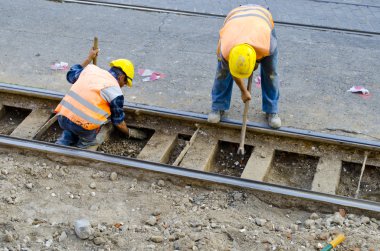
75 135
222 90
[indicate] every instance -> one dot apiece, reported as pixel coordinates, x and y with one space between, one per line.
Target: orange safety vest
247 24
83 104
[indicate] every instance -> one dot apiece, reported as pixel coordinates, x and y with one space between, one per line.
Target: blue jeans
223 83
75 135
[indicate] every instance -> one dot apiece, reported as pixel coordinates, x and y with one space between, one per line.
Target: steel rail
343 3
202 118
205 14
260 128
31 91
188 173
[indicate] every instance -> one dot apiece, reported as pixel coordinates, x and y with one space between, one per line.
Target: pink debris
150 75
59 66
357 89
144 72
258 81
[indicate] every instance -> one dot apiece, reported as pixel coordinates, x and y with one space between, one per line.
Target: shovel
241 150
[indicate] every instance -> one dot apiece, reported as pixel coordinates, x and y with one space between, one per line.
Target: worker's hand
245 96
136 134
93 53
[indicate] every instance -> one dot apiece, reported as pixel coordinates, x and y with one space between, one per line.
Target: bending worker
94 96
246 40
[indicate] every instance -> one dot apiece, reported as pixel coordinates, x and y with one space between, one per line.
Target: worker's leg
75 135
68 138
221 93
270 83
222 89
87 138
270 89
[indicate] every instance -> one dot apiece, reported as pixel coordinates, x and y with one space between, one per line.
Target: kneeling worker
246 39
94 96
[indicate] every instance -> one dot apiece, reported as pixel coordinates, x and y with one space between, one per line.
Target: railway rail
205 14
346 3
307 168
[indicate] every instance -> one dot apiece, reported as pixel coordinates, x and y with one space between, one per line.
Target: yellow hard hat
127 67
242 60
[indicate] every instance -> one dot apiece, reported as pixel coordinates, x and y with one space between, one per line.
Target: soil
119 144
370 184
41 197
228 162
12 118
181 142
349 180
291 169
52 133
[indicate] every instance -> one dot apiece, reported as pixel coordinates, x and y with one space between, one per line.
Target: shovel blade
241 151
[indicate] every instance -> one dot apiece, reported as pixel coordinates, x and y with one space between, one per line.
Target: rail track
205 14
310 169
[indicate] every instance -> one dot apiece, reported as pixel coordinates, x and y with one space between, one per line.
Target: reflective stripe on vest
250 24
267 18
251 15
81 114
83 104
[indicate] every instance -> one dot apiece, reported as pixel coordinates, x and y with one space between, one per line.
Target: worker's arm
117 113
245 94
73 74
75 70
117 118
91 55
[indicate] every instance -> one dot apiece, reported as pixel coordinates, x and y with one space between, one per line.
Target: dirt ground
291 169
182 140
43 196
11 119
368 189
119 144
52 133
350 178
228 162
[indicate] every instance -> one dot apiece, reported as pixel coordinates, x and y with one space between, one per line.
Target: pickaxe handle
245 117
94 61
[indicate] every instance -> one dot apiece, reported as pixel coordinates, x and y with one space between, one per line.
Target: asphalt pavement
317 67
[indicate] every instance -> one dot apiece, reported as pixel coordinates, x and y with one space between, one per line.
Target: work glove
136 134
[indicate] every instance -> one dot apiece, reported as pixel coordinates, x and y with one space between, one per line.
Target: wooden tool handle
245 117
94 61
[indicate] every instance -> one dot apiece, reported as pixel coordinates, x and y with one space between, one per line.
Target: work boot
274 120
214 116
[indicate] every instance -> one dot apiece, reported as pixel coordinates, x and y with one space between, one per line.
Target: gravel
113 176
143 211
82 228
